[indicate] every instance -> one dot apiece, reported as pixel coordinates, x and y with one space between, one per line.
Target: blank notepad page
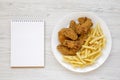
27 44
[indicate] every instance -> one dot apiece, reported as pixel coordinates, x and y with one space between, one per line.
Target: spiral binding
27 19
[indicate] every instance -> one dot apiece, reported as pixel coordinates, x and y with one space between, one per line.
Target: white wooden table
52 11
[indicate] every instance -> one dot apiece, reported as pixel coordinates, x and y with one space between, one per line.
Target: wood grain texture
52 11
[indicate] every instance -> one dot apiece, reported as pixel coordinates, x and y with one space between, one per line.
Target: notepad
27 43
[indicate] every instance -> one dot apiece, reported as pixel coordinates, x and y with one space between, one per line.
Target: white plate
64 22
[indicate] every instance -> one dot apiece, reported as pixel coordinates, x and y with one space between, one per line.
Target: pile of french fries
91 50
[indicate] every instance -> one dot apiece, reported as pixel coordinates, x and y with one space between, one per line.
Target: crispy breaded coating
72 24
61 35
65 50
72 44
70 33
83 28
82 39
81 20
76 44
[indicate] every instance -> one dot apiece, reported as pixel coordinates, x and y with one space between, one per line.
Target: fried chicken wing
82 39
65 50
72 24
81 20
83 28
70 33
72 44
61 35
